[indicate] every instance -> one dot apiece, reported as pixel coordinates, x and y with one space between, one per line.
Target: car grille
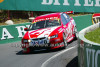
39 38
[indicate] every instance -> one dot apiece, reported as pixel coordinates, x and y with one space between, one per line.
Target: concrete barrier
88 51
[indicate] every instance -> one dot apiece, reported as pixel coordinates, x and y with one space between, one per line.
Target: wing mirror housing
26 29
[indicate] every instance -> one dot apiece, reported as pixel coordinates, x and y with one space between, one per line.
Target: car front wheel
75 32
65 41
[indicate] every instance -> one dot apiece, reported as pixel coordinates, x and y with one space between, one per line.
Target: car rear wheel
65 41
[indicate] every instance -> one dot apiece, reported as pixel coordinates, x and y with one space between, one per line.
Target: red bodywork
53 36
96 18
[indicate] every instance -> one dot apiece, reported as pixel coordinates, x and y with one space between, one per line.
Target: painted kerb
13 33
88 52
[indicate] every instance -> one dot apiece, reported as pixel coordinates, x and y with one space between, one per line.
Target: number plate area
39 41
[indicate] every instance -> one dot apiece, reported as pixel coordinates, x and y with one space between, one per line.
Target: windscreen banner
51 5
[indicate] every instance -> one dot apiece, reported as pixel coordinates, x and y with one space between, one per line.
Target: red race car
49 31
96 18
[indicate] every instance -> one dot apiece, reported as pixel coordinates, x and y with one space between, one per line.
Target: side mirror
26 29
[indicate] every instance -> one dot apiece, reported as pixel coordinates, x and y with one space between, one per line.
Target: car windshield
44 24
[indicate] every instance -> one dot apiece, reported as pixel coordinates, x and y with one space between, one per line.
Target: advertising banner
88 51
89 54
51 5
12 33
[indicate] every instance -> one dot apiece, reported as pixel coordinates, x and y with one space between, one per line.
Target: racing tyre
65 41
75 32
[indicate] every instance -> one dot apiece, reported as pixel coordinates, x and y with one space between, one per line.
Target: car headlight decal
54 36
29 40
26 40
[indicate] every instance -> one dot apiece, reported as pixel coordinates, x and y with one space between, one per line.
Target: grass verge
20 20
94 36
16 21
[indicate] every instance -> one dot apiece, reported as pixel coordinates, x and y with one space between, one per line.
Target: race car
96 18
49 31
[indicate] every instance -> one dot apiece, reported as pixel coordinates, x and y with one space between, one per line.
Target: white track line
44 64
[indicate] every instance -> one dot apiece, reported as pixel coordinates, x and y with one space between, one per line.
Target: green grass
94 36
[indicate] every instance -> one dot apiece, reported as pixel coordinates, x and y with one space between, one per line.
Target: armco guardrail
88 52
13 33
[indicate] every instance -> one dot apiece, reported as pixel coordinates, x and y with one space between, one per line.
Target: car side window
65 18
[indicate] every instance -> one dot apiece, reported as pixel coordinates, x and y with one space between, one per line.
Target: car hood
42 32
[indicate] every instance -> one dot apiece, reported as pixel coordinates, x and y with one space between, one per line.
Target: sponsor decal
69 30
66 3
57 40
95 18
43 32
60 30
92 57
62 43
57 44
7 35
51 18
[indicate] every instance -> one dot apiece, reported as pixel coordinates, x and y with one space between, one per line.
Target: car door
66 25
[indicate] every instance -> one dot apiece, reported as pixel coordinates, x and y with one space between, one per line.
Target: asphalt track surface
11 56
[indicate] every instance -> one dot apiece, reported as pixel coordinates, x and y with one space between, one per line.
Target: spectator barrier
88 52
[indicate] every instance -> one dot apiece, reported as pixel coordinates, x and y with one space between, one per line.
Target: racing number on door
69 30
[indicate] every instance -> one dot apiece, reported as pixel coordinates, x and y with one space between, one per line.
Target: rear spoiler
69 12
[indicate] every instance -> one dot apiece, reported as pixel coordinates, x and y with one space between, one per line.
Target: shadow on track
39 52
73 62
46 51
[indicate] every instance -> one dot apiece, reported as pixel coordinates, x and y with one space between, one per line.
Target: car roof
48 16
96 15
